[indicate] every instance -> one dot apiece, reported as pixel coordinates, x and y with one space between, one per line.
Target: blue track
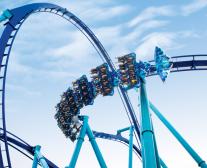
13 25
180 63
21 146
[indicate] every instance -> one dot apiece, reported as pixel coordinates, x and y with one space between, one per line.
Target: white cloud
146 49
15 67
193 7
77 50
93 10
18 89
109 35
166 40
144 27
89 11
114 38
119 42
190 34
150 13
100 14
19 69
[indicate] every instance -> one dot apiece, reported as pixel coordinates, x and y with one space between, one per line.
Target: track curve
190 62
20 14
21 146
117 138
183 63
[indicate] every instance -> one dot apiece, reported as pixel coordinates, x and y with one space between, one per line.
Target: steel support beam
149 151
38 158
131 131
86 130
201 163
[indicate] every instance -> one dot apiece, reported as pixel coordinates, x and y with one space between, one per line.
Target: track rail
11 29
197 62
180 63
22 146
117 138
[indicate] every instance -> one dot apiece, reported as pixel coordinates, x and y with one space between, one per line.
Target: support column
131 130
147 137
156 150
95 147
86 130
162 163
39 158
79 143
201 163
1 158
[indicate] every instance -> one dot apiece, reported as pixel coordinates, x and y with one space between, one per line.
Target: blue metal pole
39 158
148 145
122 130
1 159
35 162
79 142
95 147
157 155
142 152
131 130
201 163
162 163
156 151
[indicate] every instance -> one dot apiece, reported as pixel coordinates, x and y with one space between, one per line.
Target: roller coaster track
22 147
25 149
185 63
12 26
180 63
117 138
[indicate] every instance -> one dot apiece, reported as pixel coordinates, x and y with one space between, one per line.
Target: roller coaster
131 74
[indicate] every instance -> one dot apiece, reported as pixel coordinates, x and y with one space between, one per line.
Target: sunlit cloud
166 40
151 13
193 7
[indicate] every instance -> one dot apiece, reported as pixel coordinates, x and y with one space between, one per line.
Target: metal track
28 150
117 138
7 39
197 62
22 147
9 34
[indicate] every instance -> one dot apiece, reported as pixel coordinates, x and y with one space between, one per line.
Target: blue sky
49 54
